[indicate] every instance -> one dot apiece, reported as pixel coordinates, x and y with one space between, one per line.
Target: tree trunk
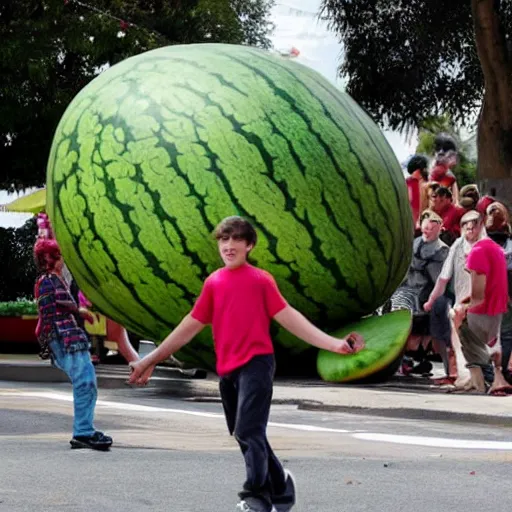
495 123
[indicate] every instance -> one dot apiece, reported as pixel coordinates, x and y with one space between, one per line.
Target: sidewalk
413 398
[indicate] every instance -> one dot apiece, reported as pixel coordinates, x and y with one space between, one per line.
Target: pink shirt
239 303
488 258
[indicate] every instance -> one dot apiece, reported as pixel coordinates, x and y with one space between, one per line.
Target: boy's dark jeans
246 396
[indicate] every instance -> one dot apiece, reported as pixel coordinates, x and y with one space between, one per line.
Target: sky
296 25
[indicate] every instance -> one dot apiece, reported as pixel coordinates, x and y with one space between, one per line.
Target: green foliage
17 271
51 49
408 59
465 172
19 307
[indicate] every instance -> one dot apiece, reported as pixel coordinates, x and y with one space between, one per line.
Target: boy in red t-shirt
240 300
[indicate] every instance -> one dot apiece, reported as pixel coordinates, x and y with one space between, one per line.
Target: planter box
18 329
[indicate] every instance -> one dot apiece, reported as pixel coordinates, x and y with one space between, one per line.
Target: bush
18 308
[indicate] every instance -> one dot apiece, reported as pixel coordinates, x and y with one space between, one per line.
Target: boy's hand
356 341
140 372
351 344
458 315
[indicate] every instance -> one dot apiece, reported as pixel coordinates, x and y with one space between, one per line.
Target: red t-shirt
451 216
413 189
442 175
487 257
239 303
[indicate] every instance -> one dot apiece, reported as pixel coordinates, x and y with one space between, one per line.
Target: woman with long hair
65 342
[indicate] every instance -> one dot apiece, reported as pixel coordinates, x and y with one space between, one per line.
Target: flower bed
18 320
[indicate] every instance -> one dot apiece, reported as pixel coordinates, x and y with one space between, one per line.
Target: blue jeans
246 397
80 370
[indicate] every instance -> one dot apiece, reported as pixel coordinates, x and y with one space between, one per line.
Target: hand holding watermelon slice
355 341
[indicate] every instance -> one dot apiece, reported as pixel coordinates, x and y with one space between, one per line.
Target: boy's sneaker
98 441
285 502
252 505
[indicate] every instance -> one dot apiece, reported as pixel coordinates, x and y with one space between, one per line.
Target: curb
411 413
193 386
44 372
408 413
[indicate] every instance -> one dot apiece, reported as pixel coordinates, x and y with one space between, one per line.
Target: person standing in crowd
417 182
469 196
66 343
449 213
478 317
497 220
429 254
454 271
498 224
445 155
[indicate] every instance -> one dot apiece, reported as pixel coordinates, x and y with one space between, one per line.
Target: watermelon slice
385 338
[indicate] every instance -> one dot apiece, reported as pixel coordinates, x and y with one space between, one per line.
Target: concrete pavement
412 398
174 456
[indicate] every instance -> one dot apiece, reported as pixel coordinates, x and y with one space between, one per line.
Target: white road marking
435 442
148 409
432 442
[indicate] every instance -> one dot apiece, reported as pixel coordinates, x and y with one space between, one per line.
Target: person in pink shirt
239 301
478 317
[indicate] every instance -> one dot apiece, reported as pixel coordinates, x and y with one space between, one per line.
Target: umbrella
34 202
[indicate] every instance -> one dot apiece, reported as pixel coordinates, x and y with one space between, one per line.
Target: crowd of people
457 286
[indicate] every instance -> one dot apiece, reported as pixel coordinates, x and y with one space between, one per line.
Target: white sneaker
252 505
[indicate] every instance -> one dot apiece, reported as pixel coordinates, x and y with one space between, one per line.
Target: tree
18 271
52 48
429 128
409 59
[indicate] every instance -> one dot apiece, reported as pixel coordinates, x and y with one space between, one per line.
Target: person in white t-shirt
454 271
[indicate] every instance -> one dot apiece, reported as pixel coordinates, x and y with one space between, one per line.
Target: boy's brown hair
237 228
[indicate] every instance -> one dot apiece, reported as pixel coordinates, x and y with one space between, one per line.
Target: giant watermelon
156 150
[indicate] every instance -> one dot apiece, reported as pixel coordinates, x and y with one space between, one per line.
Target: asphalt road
174 455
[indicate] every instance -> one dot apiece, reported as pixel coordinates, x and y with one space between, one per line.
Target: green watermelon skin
156 150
